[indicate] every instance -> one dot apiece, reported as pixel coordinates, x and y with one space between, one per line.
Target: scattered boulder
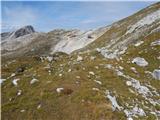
99 82
13 74
91 73
78 77
22 111
33 81
114 102
15 81
79 58
20 69
49 58
135 111
69 70
157 42
140 61
92 57
95 89
2 80
19 92
156 74
39 106
60 75
134 69
139 43
128 83
59 90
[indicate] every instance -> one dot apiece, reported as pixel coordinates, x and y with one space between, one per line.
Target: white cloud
88 21
17 17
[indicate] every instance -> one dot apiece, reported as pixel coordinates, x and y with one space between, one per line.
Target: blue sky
46 16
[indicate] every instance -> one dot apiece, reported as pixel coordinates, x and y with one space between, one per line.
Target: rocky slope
108 73
26 41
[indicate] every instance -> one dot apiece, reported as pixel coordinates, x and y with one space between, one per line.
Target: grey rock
156 74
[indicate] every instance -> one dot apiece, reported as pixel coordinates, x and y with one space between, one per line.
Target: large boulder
140 61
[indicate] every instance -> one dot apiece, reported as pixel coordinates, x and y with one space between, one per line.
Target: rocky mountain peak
24 31
18 33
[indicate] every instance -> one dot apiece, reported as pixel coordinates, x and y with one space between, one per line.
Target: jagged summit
24 31
18 33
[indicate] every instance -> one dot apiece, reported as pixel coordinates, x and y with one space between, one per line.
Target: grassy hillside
78 86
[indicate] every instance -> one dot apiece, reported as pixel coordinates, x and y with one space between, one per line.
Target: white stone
157 42
15 81
39 106
139 43
114 102
133 69
78 77
92 57
95 89
96 67
140 61
60 75
91 73
22 111
19 92
119 73
79 58
156 74
121 68
13 74
139 111
129 118
49 58
99 82
59 90
33 81
2 80
109 66
128 83
69 70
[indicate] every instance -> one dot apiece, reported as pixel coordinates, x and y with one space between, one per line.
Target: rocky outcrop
23 31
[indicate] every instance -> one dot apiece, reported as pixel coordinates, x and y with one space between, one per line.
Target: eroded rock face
140 61
18 33
23 31
156 74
